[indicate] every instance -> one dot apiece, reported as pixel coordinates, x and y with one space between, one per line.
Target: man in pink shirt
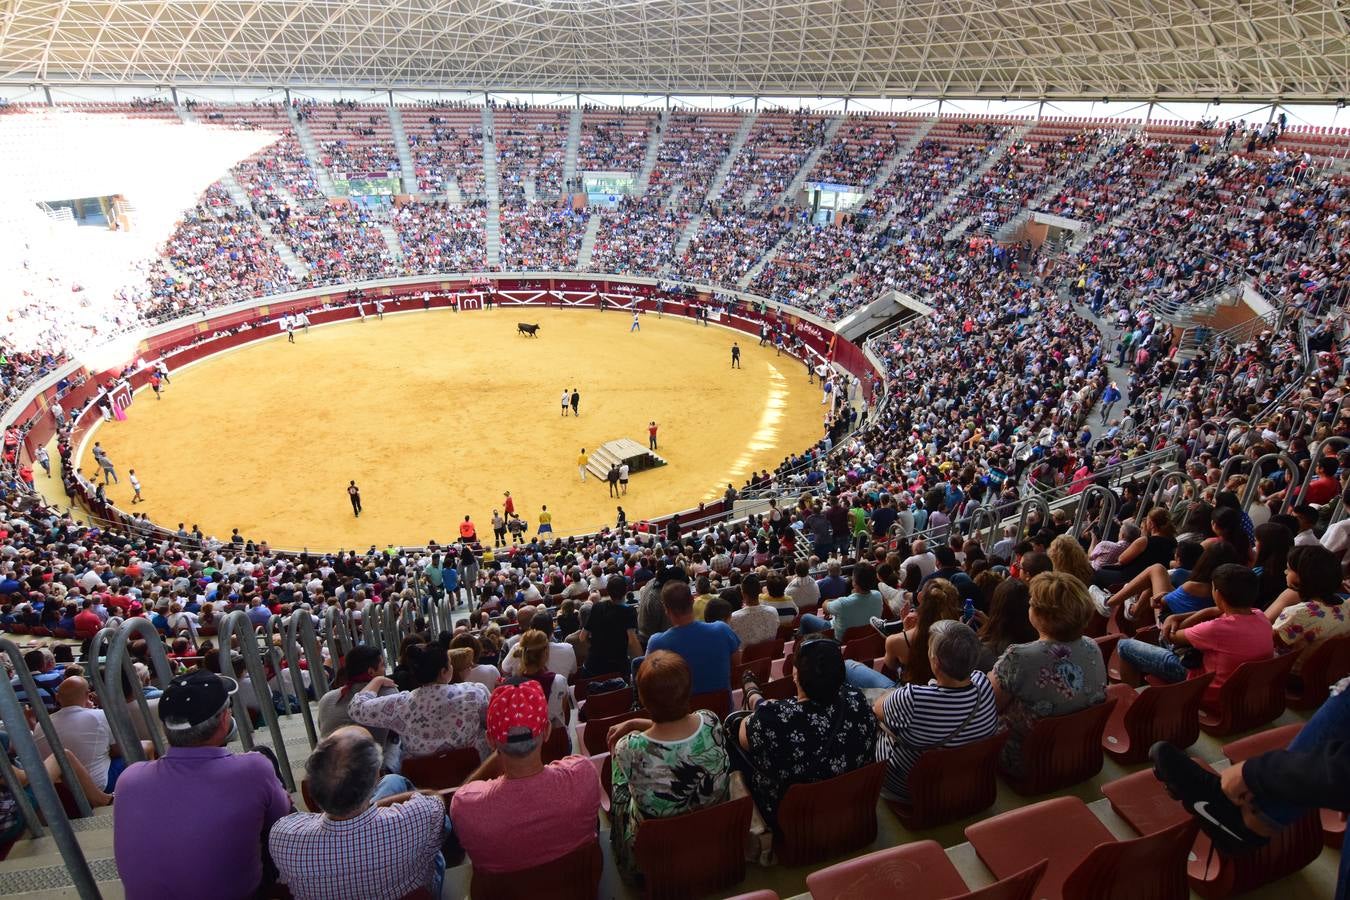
1227 635
515 812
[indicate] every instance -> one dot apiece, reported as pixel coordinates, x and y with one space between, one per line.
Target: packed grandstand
1094 503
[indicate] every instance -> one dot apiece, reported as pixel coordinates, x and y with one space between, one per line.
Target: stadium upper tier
1165 213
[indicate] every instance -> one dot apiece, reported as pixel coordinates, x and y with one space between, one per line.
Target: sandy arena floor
436 414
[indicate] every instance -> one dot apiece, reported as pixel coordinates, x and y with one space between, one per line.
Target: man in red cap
514 801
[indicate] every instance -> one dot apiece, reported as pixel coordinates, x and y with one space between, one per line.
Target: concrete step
649 160
587 248
391 239
901 153
994 154
809 164
311 148
737 144
753 272
492 228
573 147
405 156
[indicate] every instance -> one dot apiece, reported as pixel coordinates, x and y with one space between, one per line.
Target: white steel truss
1089 49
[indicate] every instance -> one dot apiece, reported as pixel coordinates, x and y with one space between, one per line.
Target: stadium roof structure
1082 49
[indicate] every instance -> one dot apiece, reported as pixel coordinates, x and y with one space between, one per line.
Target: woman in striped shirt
956 707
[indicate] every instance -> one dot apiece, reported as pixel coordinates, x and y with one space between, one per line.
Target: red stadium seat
1327 664
573 876
610 703
582 685
951 783
1140 719
1252 696
1061 751
694 854
444 770
558 744
825 818
716 702
763 650
1085 860
916 871
595 736
1142 801
759 668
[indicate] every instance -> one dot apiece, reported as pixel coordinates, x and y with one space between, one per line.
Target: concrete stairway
187 115
830 290
737 144
294 264
1162 192
753 272
453 195
587 248
809 164
405 157
391 240
995 153
573 146
901 153
311 148
695 223
492 191
649 159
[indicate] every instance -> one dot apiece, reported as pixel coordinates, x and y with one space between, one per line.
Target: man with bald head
370 837
84 731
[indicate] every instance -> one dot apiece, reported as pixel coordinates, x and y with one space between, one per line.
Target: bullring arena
980 372
437 413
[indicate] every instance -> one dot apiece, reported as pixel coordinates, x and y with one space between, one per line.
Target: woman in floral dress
673 763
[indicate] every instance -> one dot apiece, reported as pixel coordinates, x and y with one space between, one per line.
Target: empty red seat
828 817
1107 644
602 706
716 702
1062 750
574 876
866 648
1327 664
760 669
1169 712
1142 801
951 783
915 871
780 689
696 853
595 733
763 650
444 770
756 895
558 745
1085 859
1252 696
1261 742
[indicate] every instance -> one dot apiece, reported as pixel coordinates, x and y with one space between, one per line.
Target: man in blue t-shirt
710 648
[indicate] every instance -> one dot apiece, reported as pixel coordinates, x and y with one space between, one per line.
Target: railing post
300 627
22 742
236 626
119 665
20 723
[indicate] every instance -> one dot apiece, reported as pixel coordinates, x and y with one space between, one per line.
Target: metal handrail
1109 503
1254 478
48 801
119 662
299 635
30 690
236 626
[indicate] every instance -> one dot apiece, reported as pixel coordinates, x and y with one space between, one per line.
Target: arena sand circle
435 414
